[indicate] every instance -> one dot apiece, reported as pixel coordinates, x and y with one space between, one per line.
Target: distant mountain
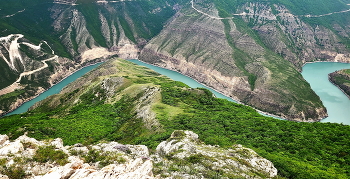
76 33
249 50
129 104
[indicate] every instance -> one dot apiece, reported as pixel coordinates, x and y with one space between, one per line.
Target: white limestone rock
136 162
58 143
3 139
185 140
185 145
65 171
26 139
11 148
3 176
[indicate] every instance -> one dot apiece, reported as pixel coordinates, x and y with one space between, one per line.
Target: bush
13 172
49 154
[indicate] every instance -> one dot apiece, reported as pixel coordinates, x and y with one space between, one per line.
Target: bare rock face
3 139
218 53
120 161
186 147
11 147
183 155
289 36
197 47
143 107
76 169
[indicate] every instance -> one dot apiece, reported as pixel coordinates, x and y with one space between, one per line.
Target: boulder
11 148
183 152
3 139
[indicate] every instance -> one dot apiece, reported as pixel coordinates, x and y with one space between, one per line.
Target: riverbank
335 100
320 62
96 62
329 79
231 99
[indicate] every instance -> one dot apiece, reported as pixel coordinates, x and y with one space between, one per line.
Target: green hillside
105 105
342 80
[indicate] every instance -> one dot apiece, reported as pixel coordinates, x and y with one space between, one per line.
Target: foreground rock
105 160
181 156
185 156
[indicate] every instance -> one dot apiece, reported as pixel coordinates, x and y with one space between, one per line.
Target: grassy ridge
341 79
299 150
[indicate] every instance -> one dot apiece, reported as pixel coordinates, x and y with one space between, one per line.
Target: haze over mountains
251 51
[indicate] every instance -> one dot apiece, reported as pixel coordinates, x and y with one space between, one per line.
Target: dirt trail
213 17
16 84
36 70
14 54
244 13
309 15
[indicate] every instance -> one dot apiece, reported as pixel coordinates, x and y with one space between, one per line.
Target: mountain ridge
123 102
261 49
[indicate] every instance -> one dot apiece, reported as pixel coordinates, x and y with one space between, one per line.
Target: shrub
105 158
49 154
13 172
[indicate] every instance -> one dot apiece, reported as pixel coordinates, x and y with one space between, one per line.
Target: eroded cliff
225 54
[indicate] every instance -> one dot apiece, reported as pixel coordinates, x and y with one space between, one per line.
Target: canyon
250 51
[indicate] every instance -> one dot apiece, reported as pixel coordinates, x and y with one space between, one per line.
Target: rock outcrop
185 152
182 155
118 161
342 80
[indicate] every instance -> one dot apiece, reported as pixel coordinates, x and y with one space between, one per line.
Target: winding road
14 54
244 13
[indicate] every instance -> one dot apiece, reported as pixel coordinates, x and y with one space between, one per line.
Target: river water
53 90
336 102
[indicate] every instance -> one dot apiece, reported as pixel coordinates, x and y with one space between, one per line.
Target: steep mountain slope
83 31
223 52
249 50
120 101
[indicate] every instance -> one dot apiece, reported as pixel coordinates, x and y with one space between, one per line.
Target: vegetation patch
104 158
298 150
49 154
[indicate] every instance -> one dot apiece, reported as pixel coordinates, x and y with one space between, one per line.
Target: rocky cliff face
294 39
81 33
225 55
251 52
34 69
183 151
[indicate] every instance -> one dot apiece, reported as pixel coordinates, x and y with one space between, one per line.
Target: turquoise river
337 104
54 89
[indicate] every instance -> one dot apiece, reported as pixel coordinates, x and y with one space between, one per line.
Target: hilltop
129 104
